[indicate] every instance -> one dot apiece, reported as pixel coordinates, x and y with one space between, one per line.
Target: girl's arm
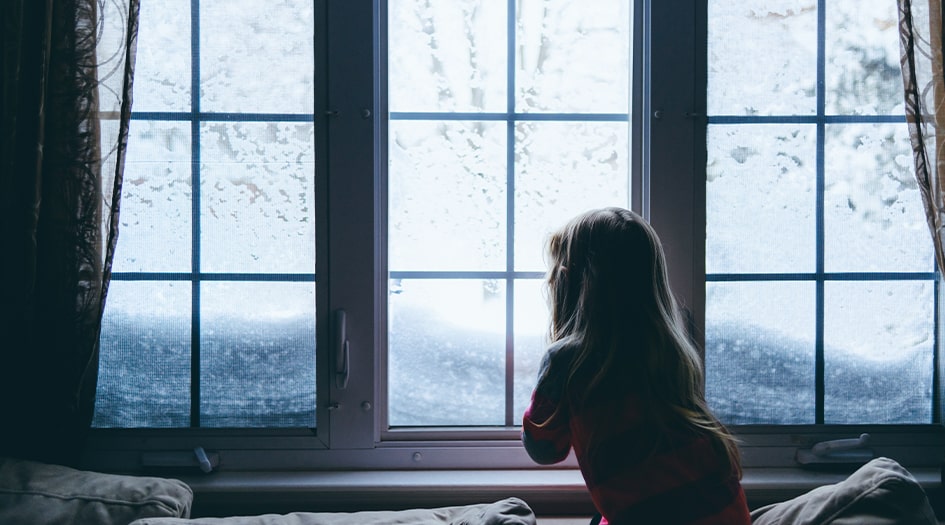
545 428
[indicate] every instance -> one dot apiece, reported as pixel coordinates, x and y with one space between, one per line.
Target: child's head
607 272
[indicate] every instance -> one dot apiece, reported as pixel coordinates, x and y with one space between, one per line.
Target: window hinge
838 451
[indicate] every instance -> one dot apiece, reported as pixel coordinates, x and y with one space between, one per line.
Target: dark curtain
67 68
920 37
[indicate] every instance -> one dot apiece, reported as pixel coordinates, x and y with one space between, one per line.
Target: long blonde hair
610 298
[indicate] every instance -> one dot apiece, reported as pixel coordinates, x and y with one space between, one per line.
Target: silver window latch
837 451
184 460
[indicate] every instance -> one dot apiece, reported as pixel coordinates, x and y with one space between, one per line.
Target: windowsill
559 492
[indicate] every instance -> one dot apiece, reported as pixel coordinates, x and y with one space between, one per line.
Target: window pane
862 52
829 203
561 170
162 60
532 321
144 361
155 218
257 204
762 57
875 220
759 352
476 200
561 66
257 354
447 196
446 364
878 352
249 216
448 58
257 56
760 198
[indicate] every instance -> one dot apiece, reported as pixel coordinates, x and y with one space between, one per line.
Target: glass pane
447 56
257 205
874 217
449 181
162 62
561 170
768 65
446 358
155 218
532 320
447 196
759 352
257 354
560 64
863 75
144 360
878 344
256 56
760 198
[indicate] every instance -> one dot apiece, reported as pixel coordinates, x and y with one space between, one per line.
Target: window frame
351 162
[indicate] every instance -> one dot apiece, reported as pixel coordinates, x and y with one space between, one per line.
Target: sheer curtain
67 69
920 36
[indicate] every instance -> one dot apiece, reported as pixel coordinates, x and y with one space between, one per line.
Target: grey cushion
40 494
881 492
509 511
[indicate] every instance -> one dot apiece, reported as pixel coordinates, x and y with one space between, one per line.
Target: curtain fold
920 37
67 69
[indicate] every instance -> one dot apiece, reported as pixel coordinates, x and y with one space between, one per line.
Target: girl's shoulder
555 367
560 354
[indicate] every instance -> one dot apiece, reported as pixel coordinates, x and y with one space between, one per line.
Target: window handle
852 450
341 349
183 460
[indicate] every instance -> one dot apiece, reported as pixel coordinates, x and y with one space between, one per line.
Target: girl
622 385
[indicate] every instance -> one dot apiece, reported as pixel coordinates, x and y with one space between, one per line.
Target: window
332 221
211 314
821 290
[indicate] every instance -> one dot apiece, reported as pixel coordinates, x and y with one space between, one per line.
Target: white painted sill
550 492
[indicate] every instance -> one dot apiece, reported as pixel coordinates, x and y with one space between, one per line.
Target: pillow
881 492
41 494
509 511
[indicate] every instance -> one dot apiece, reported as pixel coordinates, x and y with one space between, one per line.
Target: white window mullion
354 272
674 168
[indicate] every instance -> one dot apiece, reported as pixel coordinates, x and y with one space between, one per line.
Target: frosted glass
760 199
277 36
448 58
874 220
573 56
878 340
162 64
532 320
257 197
862 73
144 357
447 196
257 354
561 170
155 218
759 352
446 357
762 57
